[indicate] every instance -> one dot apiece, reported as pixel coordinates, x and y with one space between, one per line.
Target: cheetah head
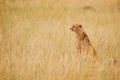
77 28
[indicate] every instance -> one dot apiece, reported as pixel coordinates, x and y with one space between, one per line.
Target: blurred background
37 44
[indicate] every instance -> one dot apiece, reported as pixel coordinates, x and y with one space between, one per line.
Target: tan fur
84 45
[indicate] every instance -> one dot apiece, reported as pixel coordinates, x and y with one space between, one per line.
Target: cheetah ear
80 26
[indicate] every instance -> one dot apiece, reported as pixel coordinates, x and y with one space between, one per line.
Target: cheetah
84 45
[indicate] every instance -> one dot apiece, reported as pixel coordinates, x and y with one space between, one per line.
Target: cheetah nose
71 29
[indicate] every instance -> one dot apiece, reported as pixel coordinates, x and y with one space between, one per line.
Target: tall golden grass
36 43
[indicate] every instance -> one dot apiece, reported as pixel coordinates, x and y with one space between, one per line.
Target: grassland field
36 42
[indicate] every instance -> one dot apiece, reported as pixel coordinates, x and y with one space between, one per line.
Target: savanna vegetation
37 44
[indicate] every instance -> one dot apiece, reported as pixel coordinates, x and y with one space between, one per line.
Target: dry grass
36 43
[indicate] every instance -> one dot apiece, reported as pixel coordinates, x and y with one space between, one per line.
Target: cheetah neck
83 39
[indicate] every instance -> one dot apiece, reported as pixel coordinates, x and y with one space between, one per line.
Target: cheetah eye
73 26
80 26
